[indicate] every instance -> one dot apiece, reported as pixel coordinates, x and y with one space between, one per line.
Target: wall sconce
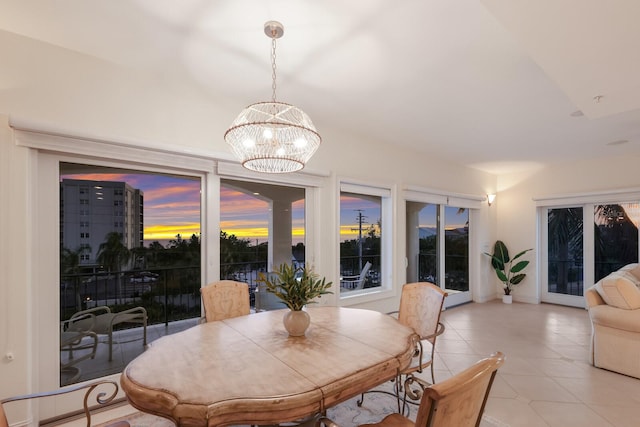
490 198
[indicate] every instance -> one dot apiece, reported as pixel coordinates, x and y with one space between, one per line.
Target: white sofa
614 309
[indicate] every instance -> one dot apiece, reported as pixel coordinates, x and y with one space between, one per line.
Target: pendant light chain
273 68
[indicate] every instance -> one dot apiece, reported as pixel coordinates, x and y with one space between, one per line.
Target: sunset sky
172 206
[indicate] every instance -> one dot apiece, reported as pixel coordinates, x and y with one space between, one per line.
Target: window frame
47 152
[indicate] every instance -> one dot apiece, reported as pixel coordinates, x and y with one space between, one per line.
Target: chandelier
273 137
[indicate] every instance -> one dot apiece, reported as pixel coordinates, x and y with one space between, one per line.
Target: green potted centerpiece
510 274
296 288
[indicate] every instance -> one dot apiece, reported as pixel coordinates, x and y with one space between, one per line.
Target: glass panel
565 253
615 237
422 242
122 248
360 241
456 248
261 227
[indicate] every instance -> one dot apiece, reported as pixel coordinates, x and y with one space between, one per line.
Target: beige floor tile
514 413
521 366
596 391
558 414
501 389
620 416
538 388
454 346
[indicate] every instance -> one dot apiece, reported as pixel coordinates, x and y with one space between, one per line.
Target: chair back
3 418
225 299
363 275
460 400
420 308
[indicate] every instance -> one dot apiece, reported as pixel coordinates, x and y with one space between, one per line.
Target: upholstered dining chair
456 402
421 305
420 308
225 299
101 396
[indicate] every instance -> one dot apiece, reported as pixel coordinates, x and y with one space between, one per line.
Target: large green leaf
519 266
517 278
501 275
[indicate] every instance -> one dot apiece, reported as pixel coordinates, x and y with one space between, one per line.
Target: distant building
89 210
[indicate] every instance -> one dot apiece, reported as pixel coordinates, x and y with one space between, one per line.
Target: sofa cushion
635 270
629 275
618 291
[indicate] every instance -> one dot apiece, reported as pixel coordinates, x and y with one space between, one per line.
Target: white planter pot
507 299
296 322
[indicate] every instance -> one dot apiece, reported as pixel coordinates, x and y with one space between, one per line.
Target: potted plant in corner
296 288
509 273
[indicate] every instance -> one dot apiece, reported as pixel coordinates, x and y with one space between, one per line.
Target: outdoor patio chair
456 402
105 320
355 282
102 398
77 336
266 300
225 299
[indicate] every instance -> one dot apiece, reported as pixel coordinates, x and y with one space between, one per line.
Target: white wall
82 95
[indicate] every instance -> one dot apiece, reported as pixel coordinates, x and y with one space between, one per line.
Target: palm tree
565 241
114 256
70 266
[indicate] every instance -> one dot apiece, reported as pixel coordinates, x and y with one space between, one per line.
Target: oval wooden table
247 370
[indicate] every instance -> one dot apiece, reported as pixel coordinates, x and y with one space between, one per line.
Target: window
442 234
150 260
365 239
261 226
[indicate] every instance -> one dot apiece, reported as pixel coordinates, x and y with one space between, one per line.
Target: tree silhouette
113 255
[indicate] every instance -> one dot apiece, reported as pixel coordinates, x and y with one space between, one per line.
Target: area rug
348 414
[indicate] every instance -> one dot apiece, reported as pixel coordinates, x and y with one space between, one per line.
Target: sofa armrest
616 318
593 298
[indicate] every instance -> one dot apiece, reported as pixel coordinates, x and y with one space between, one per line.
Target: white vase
507 299
296 322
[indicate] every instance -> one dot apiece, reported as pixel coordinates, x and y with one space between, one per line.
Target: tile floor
547 379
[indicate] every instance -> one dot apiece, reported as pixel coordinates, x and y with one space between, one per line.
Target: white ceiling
495 84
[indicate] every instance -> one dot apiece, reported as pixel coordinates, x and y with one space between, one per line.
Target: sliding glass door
438 248
585 243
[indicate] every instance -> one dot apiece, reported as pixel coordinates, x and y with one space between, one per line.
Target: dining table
248 370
